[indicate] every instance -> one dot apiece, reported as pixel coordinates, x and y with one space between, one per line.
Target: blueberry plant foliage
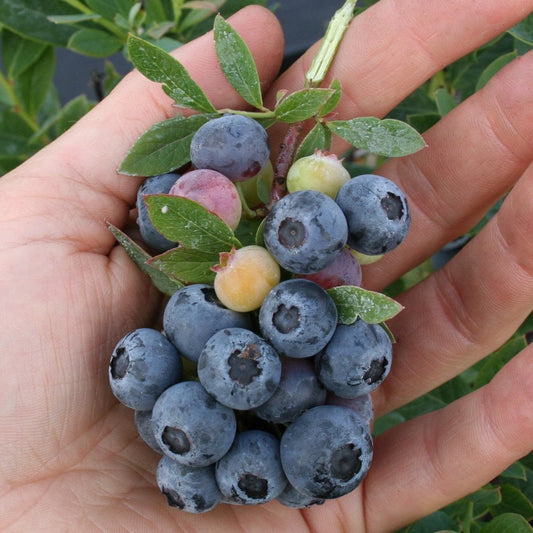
165 147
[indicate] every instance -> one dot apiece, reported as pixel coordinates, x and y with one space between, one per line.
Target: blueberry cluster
254 391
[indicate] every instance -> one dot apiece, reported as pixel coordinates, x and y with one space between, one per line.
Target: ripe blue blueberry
193 314
233 145
251 472
298 390
377 213
143 422
239 368
160 184
305 231
326 452
191 489
298 318
143 364
356 360
290 497
190 426
362 405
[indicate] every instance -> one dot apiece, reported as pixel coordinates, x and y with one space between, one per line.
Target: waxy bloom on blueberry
235 145
305 231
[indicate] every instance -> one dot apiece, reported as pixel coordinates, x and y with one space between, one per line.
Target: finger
396 45
426 463
469 307
82 164
474 155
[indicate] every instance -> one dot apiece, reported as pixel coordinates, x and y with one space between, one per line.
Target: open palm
69 454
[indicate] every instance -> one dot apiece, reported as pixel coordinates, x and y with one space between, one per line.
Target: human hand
70 457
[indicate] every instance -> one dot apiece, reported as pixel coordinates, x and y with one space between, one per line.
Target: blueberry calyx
292 233
375 373
393 206
346 462
176 440
286 319
173 498
120 363
253 486
243 364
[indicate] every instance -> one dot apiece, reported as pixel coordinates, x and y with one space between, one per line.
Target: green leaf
264 184
33 84
156 12
515 471
19 53
247 230
109 9
186 265
319 138
386 422
195 16
333 100
14 134
187 222
72 112
453 389
260 235
6 98
166 43
498 359
164 283
94 43
136 16
158 30
111 77
65 117
493 68
445 101
30 18
177 8
388 137
508 523
513 501
9 163
523 31
159 66
484 498
353 302
423 121
438 521
162 148
302 104
73 19
237 62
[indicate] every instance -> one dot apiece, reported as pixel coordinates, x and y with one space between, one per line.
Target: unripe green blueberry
365 259
256 190
321 171
244 277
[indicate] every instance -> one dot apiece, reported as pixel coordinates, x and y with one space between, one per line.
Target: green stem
246 211
102 21
468 518
334 34
252 114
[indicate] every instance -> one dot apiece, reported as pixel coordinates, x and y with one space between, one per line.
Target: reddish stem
284 161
